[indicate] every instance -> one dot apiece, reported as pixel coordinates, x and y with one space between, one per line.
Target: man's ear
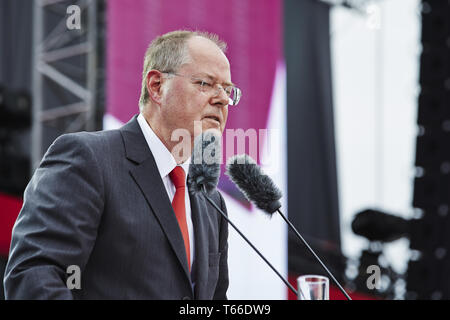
153 83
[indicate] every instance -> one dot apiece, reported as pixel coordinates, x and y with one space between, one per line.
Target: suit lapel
200 267
146 176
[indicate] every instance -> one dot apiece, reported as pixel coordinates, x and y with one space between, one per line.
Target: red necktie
178 203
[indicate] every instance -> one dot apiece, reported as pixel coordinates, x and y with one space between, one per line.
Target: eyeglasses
210 88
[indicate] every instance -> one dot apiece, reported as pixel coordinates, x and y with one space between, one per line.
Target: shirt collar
163 158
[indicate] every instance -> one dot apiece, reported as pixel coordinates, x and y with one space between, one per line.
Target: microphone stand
314 254
248 241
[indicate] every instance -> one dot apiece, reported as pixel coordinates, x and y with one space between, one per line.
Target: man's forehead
202 48
207 59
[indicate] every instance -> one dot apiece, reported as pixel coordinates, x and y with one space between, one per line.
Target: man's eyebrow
214 79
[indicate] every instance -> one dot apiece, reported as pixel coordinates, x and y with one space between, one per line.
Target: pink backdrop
251 28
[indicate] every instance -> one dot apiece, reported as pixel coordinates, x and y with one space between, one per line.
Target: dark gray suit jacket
97 201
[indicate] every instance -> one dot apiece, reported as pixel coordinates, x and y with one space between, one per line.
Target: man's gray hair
168 52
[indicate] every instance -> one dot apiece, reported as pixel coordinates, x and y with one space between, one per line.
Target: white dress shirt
166 163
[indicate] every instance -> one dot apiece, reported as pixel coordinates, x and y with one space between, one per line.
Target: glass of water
313 287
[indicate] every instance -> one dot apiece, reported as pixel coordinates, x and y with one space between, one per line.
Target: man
111 204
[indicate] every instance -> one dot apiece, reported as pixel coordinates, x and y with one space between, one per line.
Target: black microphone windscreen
205 162
379 226
254 184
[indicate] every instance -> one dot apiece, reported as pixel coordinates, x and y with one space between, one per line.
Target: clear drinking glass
313 287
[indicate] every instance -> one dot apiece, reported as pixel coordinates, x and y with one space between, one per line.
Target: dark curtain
16 34
15 44
312 180
2 272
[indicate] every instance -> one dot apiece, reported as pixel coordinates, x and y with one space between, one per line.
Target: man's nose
221 98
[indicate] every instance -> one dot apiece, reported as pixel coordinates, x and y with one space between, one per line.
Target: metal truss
65 72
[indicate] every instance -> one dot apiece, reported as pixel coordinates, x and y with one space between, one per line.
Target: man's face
182 101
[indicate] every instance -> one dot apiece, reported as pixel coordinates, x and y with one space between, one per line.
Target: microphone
203 177
380 226
204 170
253 183
262 191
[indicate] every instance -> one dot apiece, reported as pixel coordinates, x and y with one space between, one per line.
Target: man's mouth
213 118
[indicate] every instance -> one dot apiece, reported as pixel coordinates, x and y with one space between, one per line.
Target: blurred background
347 103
